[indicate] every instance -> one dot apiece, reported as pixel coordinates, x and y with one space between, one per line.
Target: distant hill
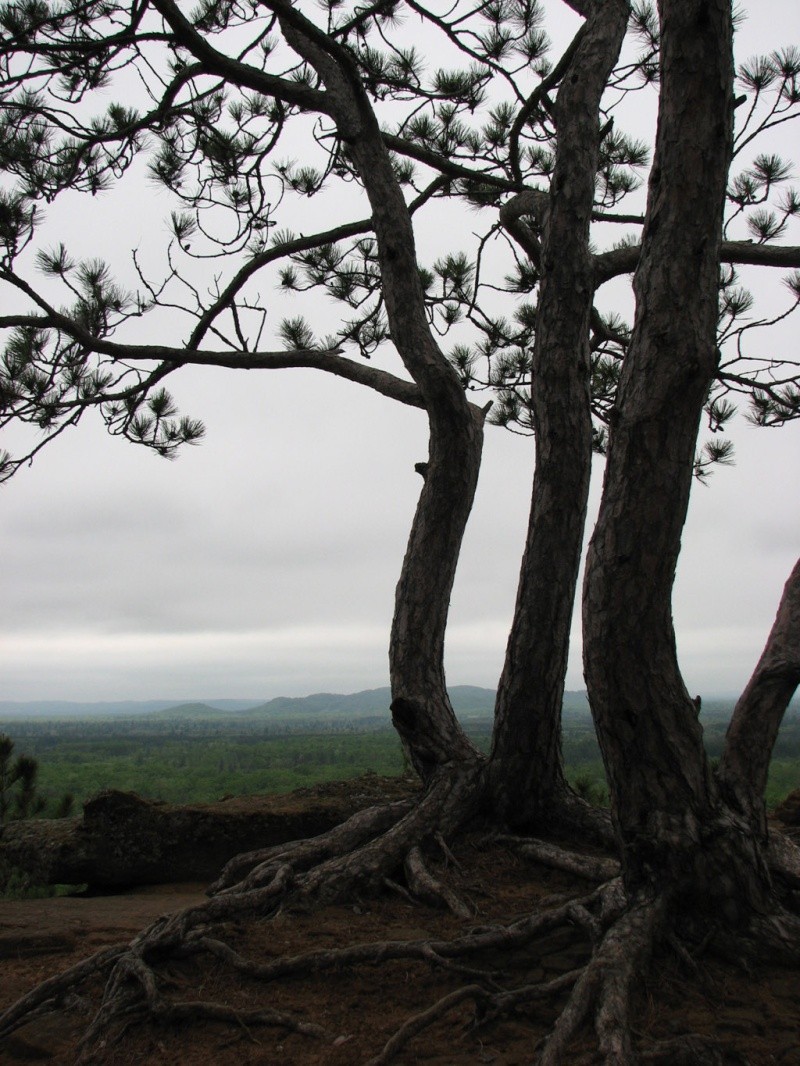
469 701
108 708
196 711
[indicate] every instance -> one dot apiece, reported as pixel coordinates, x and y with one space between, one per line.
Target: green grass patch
16 884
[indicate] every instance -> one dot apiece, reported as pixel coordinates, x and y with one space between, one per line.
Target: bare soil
754 1016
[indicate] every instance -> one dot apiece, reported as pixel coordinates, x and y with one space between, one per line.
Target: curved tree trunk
526 769
676 835
759 712
421 708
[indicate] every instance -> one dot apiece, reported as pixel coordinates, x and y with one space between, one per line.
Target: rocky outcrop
124 840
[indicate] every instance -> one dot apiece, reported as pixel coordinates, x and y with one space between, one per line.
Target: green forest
192 760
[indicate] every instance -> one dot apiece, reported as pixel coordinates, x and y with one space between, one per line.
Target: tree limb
618 261
444 164
759 712
277 251
530 105
233 70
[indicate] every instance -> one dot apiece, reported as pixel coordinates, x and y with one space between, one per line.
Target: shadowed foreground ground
754 1015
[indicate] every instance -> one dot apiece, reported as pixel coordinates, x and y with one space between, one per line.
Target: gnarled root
606 985
49 994
133 992
358 856
592 867
485 1002
254 868
578 820
773 937
425 886
584 957
491 1000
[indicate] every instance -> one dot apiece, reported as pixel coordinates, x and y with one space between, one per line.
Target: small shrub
19 791
16 884
590 790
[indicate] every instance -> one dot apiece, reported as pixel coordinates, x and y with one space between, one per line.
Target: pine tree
19 795
531 144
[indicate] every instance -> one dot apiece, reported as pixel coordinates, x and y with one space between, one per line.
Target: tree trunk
676 836
759 712
421 708
526 770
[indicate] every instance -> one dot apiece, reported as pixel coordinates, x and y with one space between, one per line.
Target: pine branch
536 97
446 165
232 70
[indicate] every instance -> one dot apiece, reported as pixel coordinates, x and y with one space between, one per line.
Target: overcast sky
263 563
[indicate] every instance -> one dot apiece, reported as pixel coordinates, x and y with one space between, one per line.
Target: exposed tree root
564 813
254 868
606 986
486 1002
426 887
360 855
689 1050
504 937
577 820
364 854
773 937
51 993
592 867
132 992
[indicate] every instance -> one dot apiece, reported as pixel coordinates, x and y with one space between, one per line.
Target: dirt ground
754 1015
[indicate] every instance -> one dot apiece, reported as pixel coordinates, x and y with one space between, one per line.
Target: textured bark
608 981
422 711
625 260
592 867
675 834
526 770
759 712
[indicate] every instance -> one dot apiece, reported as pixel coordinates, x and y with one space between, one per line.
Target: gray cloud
129 576
264 562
